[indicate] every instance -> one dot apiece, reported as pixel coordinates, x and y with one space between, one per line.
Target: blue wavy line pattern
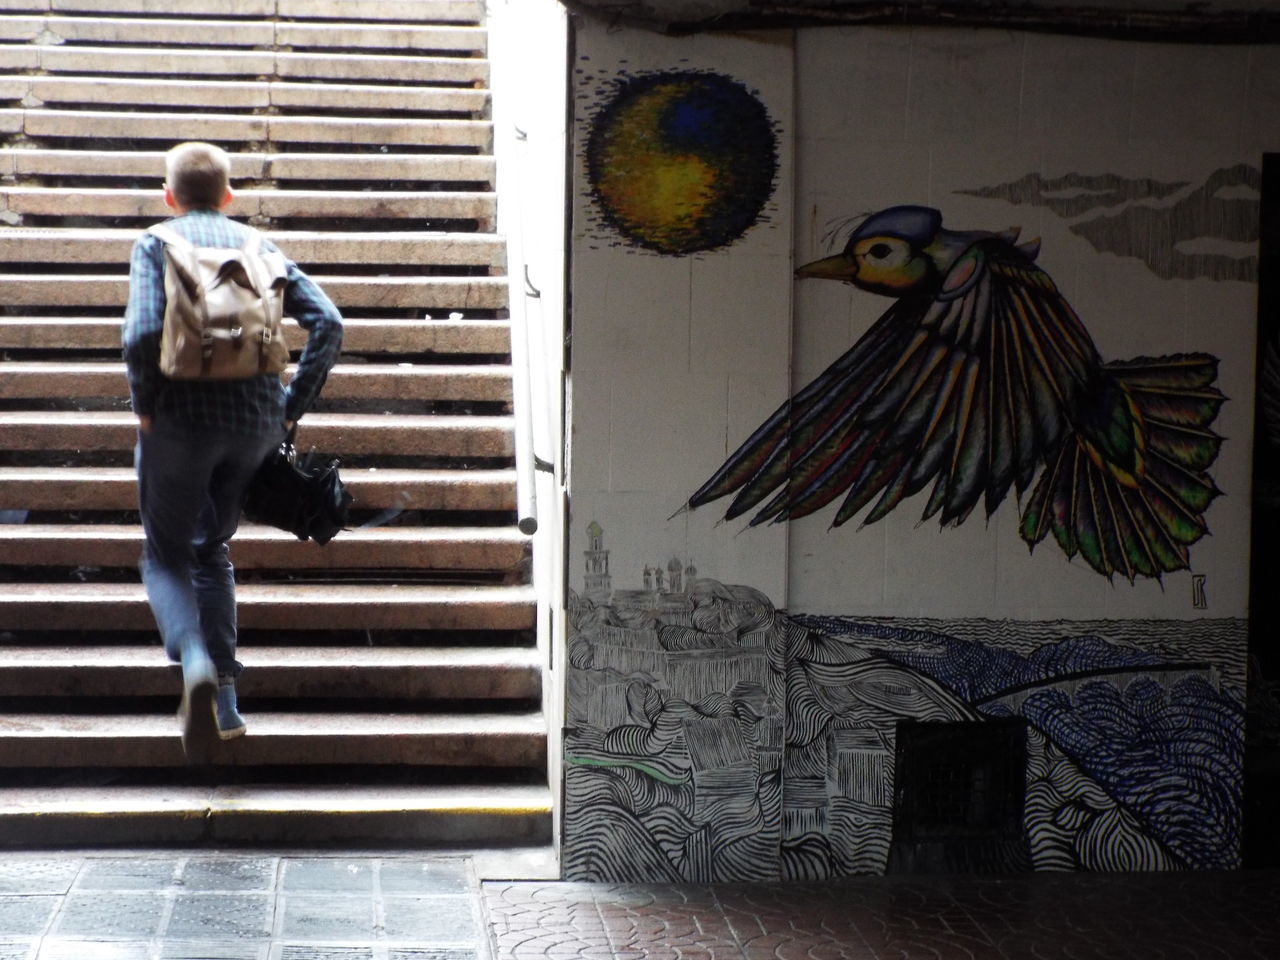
713 738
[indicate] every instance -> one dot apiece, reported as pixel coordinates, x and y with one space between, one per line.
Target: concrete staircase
393 689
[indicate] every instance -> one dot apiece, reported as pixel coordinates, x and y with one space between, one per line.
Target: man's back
255 405
200 442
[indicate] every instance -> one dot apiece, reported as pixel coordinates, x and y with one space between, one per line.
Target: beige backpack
223 309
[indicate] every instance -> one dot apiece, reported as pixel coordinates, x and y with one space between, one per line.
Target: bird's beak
840 267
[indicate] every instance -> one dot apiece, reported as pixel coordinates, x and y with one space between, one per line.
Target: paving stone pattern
239 907
253 906
1188 916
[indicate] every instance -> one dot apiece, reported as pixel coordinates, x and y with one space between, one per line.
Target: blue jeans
191 481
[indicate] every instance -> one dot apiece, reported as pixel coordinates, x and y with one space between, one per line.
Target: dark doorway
1262 721
959 792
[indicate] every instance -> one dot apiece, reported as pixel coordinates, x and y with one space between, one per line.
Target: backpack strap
252 241
170 236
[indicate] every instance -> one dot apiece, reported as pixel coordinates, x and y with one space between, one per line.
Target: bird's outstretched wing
1135 511
967 389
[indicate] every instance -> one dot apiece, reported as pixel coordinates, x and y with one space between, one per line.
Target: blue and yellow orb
681 162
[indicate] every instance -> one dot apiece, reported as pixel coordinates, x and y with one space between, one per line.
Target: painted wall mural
802 701
979 376
1262 769
680 161
712 736
1175 227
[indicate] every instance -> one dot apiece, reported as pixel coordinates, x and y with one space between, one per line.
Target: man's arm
143 324
315 313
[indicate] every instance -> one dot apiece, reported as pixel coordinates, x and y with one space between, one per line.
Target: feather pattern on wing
969 392
979 375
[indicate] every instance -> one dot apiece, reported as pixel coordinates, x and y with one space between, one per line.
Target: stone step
379 814
359 335
146 61
283 607
114 488
497 549
26 380
180 32
509 739
244 96
298 673
459 11
353 204
38 245
51 29
442 293
333 167
454 39
100 125
342 434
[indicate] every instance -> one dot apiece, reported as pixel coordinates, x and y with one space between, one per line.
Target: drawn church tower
598 585
675 581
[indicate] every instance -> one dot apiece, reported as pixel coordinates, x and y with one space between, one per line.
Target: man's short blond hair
197 175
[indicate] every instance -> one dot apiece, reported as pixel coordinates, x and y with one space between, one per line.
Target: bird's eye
879 251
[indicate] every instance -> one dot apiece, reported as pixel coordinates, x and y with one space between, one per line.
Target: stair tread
250 532
299 594
492 550
373 381
462 10
353 674
507 827
242 33
359 334
444 293
100 126
107 245
114 488
247 195
362 421
330 280
511 740
337 726
199 62
249 199
352 476
284 798
258 166
472 371
150 657
326 423
289 606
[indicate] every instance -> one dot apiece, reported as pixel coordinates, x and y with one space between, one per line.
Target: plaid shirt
255 405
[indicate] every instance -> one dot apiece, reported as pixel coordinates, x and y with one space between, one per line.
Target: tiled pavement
238 907
312 906
1226 916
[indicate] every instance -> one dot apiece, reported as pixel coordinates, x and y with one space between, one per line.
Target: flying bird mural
979 377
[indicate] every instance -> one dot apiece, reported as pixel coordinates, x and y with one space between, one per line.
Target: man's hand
144 423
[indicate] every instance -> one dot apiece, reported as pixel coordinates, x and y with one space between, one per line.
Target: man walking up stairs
393 683
203 429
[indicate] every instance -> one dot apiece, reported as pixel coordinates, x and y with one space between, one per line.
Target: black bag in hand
308 501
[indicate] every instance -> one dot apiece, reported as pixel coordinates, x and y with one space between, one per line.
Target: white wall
1136 165
917 116
676 358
